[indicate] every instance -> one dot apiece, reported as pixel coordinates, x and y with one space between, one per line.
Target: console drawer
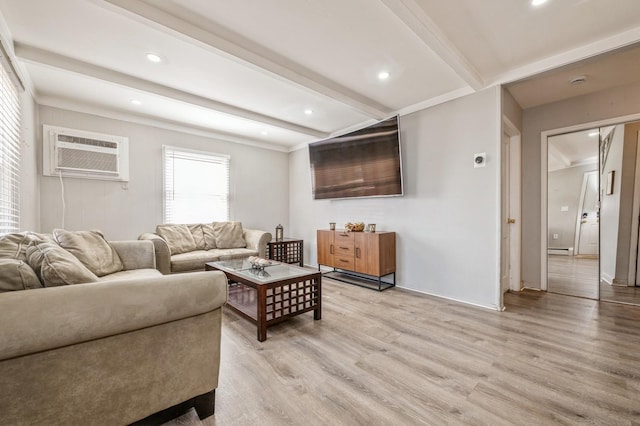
344 238
344 263
344 250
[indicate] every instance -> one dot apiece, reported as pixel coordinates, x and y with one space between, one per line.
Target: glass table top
275 272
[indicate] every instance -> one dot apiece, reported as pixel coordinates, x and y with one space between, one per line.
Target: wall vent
81 154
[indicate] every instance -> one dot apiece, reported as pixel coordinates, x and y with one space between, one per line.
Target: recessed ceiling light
136 102
383 75
153 57
538 2
308 111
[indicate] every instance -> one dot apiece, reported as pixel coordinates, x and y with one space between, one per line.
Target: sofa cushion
192 261
237 253
17 275
198 235
14 246
229 235
55 266
90 248
132 274
209 238
178 238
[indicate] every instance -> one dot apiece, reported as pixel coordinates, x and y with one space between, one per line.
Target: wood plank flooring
573 275
402 358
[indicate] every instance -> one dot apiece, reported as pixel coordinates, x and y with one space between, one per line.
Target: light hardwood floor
401 358
573 275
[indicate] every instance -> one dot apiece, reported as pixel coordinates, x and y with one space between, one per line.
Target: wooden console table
366 253
289 250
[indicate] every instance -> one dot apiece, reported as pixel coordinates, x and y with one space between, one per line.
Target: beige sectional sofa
128 343
187 247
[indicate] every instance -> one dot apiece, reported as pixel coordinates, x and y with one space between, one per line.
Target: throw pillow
178 238
90 248
198 235
55 266
229 235
209 238
17 275
14 246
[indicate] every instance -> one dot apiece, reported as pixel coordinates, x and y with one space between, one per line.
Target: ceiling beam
416 19
220 39
40 56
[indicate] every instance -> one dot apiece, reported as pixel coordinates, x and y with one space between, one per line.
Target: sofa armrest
163 254
135 254
48 318
257 240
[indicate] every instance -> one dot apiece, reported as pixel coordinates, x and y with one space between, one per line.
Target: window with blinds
196 186
9 155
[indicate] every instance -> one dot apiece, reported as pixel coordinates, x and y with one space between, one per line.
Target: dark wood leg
317 312
262 314
205 404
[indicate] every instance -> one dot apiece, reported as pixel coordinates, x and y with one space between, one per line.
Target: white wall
447 223
259 179
29 182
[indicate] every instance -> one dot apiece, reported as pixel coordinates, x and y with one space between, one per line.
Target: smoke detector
578 80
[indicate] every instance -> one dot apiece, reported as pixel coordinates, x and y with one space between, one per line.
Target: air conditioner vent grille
87 160
87 141
84 155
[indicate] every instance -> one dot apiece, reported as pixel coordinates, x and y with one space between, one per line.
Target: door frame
513 204
544 135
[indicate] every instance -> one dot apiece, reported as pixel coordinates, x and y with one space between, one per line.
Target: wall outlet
556 236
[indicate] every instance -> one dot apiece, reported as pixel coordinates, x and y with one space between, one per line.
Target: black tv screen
363 163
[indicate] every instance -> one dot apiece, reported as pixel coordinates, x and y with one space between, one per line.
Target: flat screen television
363 163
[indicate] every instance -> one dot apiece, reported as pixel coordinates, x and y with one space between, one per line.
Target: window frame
10 153
218 157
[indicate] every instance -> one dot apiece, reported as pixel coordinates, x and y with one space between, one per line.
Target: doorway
603 258
573 214
510 262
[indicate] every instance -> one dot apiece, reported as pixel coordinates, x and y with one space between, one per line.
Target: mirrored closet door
593 198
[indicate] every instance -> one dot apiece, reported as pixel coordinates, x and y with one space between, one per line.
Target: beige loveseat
187 247
112 351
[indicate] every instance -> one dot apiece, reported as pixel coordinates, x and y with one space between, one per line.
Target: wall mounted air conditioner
80 154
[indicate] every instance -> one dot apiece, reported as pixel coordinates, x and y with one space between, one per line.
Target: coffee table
270 295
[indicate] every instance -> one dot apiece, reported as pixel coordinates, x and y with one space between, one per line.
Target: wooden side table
289 250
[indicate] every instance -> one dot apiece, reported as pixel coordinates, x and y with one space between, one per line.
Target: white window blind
196 186
9 155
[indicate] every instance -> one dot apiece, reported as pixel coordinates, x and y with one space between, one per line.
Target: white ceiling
573 149
246 70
